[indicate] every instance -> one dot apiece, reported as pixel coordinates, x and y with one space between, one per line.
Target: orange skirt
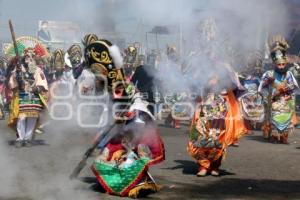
235 125
234 129
205 156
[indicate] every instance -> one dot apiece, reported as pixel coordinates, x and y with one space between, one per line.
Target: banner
58 32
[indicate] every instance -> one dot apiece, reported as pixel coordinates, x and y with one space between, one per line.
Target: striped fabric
29 104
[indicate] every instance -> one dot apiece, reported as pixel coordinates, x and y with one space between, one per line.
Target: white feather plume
67 60
115 53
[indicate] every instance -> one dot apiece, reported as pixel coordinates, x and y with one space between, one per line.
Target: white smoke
7 179
242 26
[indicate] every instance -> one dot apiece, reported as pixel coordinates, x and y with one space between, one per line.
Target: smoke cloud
239 27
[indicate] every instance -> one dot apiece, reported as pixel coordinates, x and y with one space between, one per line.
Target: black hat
105 59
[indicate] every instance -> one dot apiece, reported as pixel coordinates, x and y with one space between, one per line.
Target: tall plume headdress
278 48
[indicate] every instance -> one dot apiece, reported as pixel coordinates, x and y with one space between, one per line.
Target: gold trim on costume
101 58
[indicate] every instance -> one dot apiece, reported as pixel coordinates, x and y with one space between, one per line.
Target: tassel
143 190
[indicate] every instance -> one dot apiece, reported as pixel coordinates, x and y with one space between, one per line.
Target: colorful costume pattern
29 98
282 87
121 171
252 104
216 125
133 142
2 90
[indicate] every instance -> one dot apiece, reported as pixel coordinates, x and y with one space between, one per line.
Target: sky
25 14
92 15
131 18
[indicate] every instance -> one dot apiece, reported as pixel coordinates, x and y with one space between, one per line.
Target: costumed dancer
57 65
67 75
280 85
30 89
86 82
252 103
74 59
42 62
133 144
61 74
131 62
75 52
217 121
145 82
173 98
293 65
2 87
216 125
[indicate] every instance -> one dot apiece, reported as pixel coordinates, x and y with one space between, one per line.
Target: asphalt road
255 170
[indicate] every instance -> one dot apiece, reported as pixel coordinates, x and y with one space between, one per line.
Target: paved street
255 170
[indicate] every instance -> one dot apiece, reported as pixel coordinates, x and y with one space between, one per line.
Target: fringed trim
34 114
143 190
134 182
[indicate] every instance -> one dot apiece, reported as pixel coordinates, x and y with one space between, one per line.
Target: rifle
107 135
13 36
89 151
19 75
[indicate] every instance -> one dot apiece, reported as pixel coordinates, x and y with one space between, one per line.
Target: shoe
39 131
27 143
215 173
235 144
143 190
202 172
18 143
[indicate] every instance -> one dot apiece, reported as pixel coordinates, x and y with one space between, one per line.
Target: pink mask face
281 65
118 92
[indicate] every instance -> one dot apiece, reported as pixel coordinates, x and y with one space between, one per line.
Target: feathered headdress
278 47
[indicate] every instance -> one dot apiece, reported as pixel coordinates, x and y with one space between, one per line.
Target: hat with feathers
105 59
278 47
